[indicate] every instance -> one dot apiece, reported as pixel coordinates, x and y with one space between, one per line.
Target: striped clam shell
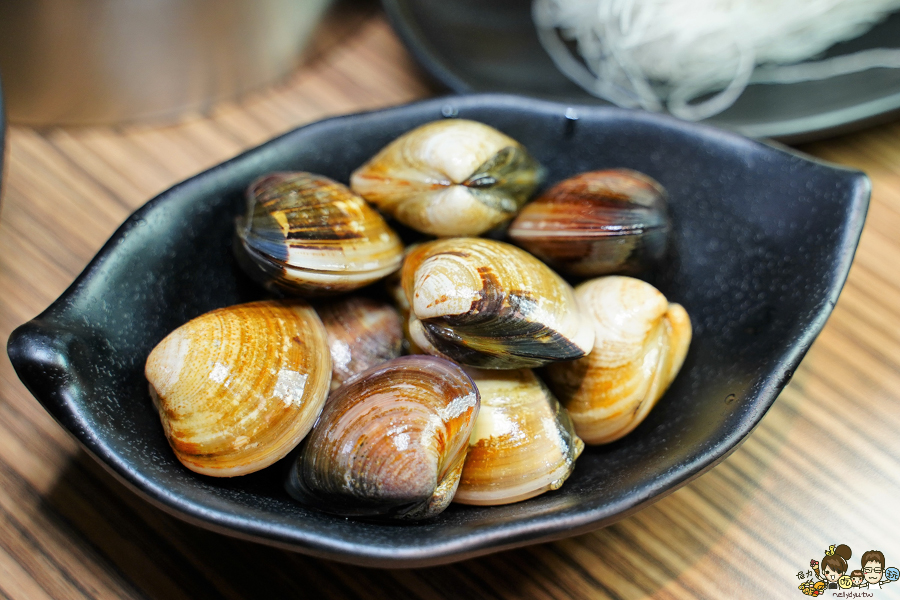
239 387
394 289
362 333
304 233
640 343
491 305
523 443
448 178
390 443
597 223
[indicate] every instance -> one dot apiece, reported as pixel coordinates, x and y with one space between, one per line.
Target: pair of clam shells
613 345
239 387
402 440
306 234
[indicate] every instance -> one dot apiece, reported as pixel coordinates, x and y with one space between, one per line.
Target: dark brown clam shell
597 223
362 333
390 443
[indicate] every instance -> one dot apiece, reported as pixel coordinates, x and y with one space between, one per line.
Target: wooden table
822 468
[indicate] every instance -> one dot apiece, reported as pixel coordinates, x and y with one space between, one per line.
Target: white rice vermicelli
664 54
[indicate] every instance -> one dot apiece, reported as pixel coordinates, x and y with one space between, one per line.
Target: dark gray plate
763 240
477 46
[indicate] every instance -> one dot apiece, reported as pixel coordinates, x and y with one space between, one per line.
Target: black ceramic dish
476 46
763 240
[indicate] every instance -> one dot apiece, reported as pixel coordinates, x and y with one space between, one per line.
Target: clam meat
491 305
449 178
640 343
390 443
597 223
239 387
362 333
306 234
523 443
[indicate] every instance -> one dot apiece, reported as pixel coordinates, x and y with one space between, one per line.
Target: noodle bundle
665 54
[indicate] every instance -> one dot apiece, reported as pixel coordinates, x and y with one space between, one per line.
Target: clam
390 443
523 443
491 305
449 178
362 333
640 343
238 388
394 289
304 233
597 223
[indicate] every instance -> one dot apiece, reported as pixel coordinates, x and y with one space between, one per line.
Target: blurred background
77 62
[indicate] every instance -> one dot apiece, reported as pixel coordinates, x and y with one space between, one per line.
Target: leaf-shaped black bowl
763 240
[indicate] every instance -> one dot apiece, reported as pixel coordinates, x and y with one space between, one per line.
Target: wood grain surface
822 468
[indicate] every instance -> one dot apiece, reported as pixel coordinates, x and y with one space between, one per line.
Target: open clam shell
390 443
306 234
450 177
362 333
491 305
597 223
523 443
239 387
640 343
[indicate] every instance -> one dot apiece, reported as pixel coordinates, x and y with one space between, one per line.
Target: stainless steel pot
102 61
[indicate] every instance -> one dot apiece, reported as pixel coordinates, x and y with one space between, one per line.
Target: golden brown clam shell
450 177
640 343
239 387
306 234
596 223
390 443
362 333
523 443
491 305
